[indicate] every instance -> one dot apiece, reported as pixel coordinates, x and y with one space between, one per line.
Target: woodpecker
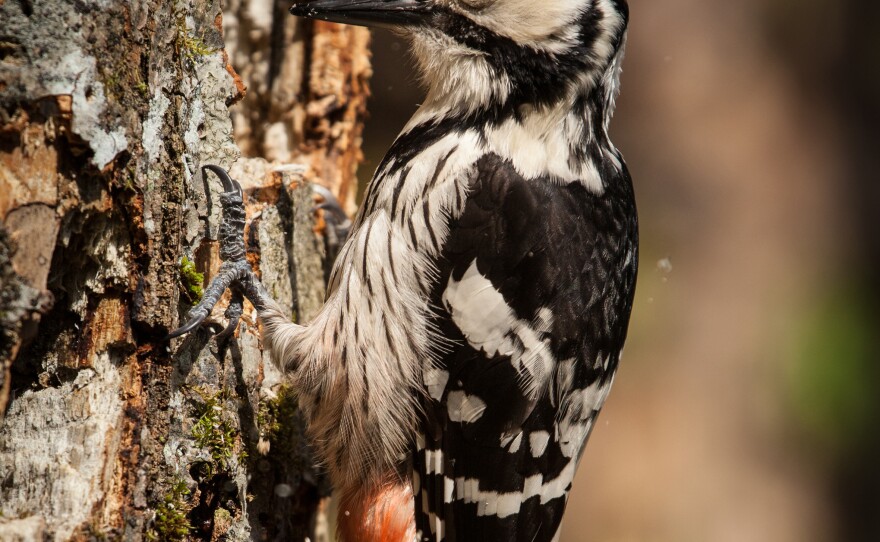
477 311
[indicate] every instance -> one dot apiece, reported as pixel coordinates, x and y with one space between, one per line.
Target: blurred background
746 407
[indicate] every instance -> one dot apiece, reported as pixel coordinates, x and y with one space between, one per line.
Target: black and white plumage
477 312
540 278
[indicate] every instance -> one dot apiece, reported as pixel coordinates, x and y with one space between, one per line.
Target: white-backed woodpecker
476 313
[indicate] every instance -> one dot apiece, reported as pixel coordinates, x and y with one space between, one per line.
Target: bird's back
532 296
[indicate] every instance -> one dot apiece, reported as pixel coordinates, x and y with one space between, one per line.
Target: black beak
384 13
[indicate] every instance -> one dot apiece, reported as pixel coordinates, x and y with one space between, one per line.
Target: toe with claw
235 271
338 223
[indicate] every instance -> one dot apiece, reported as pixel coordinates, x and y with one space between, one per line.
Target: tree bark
107 111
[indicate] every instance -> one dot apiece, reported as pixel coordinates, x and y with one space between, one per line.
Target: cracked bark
106 111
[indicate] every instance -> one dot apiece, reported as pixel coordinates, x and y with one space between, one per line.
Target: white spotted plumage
438 337
491 326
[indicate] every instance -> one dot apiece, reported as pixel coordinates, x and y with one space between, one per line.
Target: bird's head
478 54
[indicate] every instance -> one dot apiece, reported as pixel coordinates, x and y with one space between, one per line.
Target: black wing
535 290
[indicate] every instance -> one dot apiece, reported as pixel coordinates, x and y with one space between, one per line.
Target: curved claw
235 267
232 225
330 202
233 314
334 215
333 209
194 323
229 184
232 251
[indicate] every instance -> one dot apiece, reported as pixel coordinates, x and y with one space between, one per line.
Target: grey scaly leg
235 271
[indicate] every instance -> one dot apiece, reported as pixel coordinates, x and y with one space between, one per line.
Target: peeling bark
310 116
107 110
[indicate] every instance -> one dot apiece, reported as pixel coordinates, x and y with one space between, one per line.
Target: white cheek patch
528 22
610 24
459 79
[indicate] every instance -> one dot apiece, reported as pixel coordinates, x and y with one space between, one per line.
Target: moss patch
189 45
277 422
212 431
192 281
217 500
171 523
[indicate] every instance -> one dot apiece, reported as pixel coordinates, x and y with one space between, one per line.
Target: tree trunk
107 111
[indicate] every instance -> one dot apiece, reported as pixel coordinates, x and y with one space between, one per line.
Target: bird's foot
338 225
235 271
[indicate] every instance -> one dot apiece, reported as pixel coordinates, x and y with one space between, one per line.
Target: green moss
113 84
189 45
129 183
276 420
212 431
222 521
216 435
193 281
171 523
125 180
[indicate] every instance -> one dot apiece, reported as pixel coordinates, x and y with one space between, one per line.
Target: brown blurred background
745 408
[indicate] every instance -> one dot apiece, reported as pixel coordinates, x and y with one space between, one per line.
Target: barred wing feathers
534 291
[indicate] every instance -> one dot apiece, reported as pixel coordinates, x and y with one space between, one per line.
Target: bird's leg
235 271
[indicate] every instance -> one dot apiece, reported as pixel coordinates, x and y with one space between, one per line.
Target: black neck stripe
537 76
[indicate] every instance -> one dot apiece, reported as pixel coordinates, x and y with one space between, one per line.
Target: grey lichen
77 75
59 64
78 416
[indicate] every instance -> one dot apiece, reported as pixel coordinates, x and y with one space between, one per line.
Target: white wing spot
494 503
538 441
448 489
464 408
435 380
490 325
512 443
576 415
433 462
